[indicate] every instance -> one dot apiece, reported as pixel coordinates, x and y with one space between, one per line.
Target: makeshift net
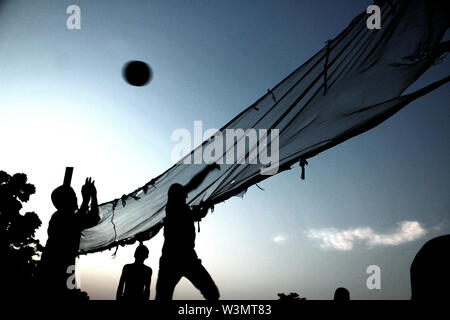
350 86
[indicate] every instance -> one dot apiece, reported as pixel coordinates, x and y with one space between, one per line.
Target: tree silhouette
19 250
293 296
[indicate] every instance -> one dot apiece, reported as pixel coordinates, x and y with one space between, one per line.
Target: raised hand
93 189
88 189
89 193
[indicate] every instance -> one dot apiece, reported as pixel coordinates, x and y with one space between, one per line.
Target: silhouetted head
429 271
177 194
141 253
64 198
341 294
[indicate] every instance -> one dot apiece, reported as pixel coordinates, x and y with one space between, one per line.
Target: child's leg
202 280
168 278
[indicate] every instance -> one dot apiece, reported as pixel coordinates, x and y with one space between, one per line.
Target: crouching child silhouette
179 258
64 232
134 284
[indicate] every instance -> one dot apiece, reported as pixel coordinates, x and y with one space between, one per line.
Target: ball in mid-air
137 73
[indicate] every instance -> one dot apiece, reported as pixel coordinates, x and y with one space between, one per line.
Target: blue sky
63 102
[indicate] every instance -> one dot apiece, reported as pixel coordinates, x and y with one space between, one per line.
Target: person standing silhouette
179 258
134 284
64 232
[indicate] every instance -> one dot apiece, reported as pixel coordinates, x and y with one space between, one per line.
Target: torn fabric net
353 84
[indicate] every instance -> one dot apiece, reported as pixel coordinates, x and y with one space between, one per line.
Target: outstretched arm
86 193
199 177
94 205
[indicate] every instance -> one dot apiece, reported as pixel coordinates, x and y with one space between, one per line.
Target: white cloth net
351 85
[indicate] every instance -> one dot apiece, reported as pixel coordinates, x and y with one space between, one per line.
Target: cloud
344 240
279 239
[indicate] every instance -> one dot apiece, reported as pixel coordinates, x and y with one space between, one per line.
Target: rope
273 96
114 227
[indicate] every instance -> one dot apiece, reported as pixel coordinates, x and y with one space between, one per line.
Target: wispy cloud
279 238
332 238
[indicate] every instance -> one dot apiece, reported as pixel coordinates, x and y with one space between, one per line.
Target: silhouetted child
341 294
134 284
64 232
179 258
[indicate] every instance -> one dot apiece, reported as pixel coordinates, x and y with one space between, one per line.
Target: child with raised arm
64 232
179 258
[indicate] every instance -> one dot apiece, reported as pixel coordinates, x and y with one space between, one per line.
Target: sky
373 200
